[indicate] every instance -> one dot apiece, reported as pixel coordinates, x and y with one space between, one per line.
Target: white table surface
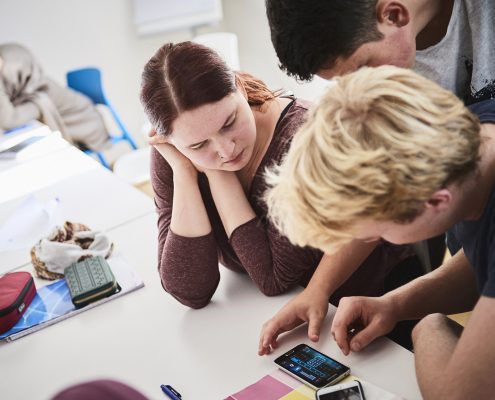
147 338
87 193
52 142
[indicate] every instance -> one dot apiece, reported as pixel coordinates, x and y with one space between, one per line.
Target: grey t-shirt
464 60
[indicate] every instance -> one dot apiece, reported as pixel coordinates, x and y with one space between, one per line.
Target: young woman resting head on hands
216 131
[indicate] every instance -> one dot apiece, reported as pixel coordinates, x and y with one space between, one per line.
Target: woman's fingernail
356 346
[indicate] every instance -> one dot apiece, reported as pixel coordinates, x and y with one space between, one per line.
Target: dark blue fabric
485 111
477 237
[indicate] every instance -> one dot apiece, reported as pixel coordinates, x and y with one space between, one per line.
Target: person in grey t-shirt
449 41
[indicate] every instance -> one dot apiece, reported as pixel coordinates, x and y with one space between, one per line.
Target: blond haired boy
390 155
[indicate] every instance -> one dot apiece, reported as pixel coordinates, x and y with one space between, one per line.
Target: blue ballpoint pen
171 392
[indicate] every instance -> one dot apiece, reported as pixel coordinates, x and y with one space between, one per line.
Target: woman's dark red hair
184 76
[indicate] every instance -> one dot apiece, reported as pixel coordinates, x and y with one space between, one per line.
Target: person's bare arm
449 289
311 305
453 367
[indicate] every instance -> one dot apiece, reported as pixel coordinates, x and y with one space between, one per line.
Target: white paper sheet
31 221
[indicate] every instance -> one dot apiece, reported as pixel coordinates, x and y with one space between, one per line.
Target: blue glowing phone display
312 367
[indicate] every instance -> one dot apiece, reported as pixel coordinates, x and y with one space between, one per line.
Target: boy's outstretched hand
360 320
309 306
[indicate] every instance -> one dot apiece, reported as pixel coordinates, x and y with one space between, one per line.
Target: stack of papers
278 385
12 152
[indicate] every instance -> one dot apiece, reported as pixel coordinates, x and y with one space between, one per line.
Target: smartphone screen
311 366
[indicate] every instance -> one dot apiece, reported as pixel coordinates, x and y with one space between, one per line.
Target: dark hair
309 35
184 76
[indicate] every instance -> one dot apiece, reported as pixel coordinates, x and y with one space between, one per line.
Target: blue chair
88 81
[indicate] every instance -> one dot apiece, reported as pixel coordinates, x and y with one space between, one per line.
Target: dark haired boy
451 42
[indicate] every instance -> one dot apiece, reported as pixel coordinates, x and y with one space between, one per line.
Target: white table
51 143
87 193
147 338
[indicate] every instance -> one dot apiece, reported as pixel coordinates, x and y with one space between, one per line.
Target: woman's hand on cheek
177 161
170 153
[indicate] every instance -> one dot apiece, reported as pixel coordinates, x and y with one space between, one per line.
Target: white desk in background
87 193
147 338
51 143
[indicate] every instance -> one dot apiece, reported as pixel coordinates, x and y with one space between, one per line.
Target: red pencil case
17 291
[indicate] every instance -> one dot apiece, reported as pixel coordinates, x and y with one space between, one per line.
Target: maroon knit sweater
189 267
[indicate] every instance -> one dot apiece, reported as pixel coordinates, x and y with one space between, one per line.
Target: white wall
247 19
67 34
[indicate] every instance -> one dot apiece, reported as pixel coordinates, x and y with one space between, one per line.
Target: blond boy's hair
377 146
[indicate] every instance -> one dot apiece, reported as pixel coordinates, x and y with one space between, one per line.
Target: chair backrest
88 82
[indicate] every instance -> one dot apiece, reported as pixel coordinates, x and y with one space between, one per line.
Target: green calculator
89 280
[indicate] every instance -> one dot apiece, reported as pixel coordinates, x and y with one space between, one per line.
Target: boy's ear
440 200
392 13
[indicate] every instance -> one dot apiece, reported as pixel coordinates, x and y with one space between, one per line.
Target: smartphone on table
344 391
311 367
